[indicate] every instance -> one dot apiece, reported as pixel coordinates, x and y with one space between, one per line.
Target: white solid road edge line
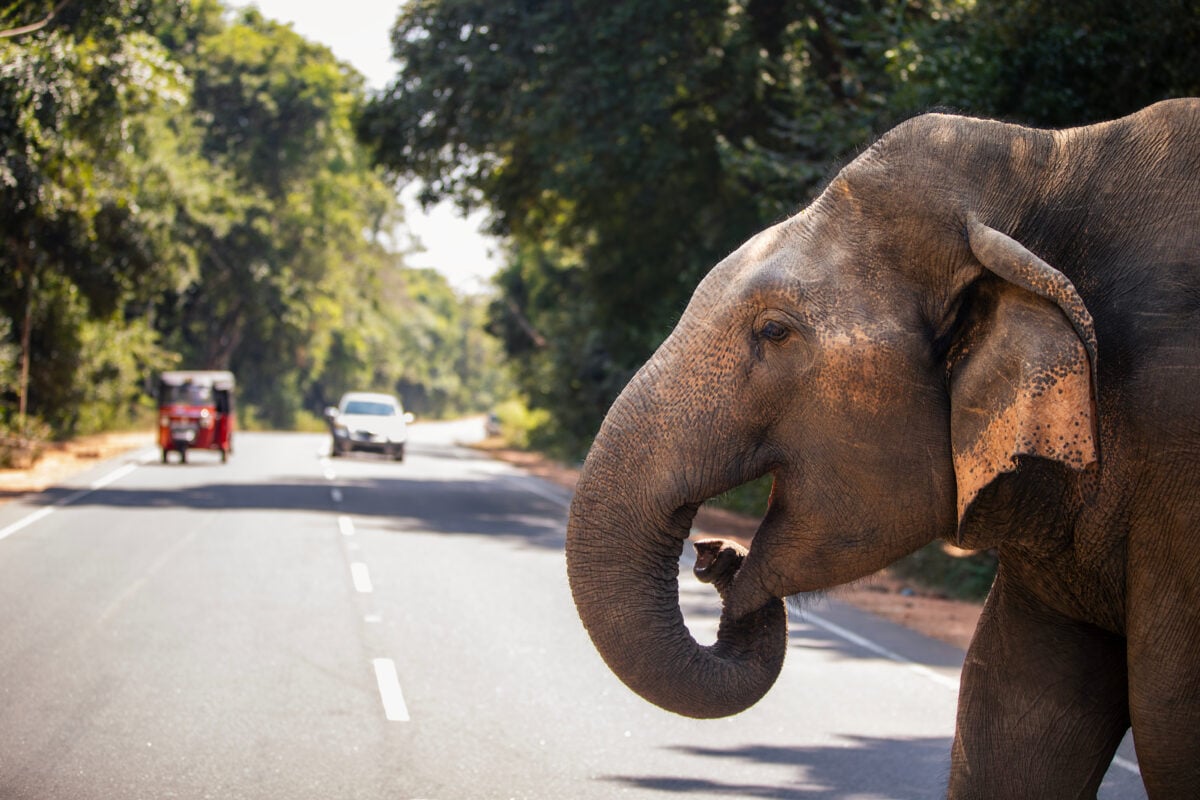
532 484
880 650
389 690
1126 765
115 475
26 521
42 513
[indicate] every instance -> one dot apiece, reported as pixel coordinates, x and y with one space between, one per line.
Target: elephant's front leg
1043 703
1164 683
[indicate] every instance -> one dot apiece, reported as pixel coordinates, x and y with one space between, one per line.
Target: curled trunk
623 564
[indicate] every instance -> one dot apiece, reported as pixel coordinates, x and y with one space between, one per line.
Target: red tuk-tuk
195 411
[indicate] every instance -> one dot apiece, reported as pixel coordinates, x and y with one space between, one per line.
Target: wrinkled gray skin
978 332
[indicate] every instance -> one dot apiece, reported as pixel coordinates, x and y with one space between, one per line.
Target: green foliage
1062 63
625 146
309 422
21 446
521 426
418 338
750 498
623 149
958 576
182 186
185 185
286 249
74 96
10 354
107 389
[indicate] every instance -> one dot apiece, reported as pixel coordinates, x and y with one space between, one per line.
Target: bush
519 425
20 449
250 417
308 422
960 576
749 498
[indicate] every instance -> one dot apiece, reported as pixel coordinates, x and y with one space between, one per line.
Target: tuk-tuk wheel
183 456
164 455
224 455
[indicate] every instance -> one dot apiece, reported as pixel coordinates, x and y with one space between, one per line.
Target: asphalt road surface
293 626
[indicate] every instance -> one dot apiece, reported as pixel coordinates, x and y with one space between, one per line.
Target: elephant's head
886 355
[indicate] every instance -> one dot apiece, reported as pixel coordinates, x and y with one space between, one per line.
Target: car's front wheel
398 452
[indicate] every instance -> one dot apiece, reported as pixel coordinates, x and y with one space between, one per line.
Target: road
293 626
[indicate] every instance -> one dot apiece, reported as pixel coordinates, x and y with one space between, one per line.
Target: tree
418 338
180 185
624 148
74 87
283 258
1061 64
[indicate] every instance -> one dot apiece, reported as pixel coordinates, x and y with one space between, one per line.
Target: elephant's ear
1022 377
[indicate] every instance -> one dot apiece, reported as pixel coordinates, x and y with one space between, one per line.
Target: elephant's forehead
812 277
783 258
768 244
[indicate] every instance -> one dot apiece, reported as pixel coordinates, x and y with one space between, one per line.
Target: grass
958 575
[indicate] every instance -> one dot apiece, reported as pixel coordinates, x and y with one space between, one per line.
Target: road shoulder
64 459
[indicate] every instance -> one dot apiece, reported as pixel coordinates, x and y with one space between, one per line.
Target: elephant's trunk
623 564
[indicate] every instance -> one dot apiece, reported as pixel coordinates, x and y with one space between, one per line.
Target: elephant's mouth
789 557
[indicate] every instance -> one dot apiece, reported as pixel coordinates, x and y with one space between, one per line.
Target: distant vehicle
368 421
195 412
491 425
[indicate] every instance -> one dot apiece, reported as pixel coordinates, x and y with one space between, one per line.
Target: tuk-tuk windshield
191 394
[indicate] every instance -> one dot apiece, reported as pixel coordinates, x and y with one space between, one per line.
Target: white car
369 421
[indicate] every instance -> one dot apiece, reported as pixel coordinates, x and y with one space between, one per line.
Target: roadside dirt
62 459
883 594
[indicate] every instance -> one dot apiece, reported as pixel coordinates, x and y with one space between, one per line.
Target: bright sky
357 32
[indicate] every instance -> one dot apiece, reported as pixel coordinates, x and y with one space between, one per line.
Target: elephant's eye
773 331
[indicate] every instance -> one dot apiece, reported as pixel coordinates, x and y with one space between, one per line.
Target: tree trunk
26 340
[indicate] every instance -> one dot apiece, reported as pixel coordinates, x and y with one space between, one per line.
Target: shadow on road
496 507
856 765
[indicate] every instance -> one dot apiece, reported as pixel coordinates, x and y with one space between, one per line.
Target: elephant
978 332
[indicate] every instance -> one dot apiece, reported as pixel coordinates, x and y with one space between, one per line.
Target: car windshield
367 408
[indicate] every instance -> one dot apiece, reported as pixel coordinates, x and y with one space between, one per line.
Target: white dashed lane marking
388 682
394 708
362 578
